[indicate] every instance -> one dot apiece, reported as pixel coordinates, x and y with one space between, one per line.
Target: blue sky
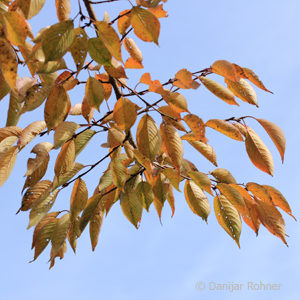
161 262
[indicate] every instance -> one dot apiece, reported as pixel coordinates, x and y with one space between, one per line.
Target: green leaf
98 52
94 92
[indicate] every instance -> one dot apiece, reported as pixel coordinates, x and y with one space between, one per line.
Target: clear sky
169 261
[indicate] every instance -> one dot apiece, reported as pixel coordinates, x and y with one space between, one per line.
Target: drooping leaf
171 199
30 132
228 217
172 144
173 176
145 193
201 180
171 116
94 92
259 191
258 152
124 21
87 111
276 134
254 79
125 113
79 198
196 199
7 162
160 191
63 9
96 224
133 50
65 159
176 101
99 52
206 150
225 69
9 131
146 25
82 139
184 80
223 175
30 8
79 47
63 132
148 137
197 126
119 171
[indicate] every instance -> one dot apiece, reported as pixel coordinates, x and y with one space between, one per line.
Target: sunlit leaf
7 162
63 9
65 159
125 113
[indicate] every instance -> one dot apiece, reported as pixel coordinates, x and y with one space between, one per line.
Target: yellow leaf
124 21
276 134
79 198
79 47
142 160
132 206
259 191
160 190
57 107
228 217
206 150
171 199
272 219
65 159
243 90
225 69
30 8
74 233
115 137
15 27
218 90
115 69
196 199
82 139
119 171
63 9
99 52
133 49
172 144
225 128
146 25
30 132
8 63
171 116
125 113
109 38
201 180
232 195
197 126
278 199
96 224
63 132
7 143
94 92
59 234
258 152
184 80
4 87
7 162
176 101
173 176
145 193
87 111
223 175
148 137
254 79
9 131
158 11
57 39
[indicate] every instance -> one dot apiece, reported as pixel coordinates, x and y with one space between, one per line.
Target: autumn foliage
146 158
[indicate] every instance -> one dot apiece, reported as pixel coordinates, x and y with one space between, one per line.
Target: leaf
125 113
197 126
62 179
176 101
158 11
206 150
107 86
133 50
7 162
57 107
132 206
79 198
272 219
276 134
173 176
82 139
63 9
61 253
38 212
30 8
146 25
99 52
223 175
36 194
225 128
79 47
50 66
119 171
219 90
171 199
258 152
109 38
65 159
96 224
115 137
8 63
116 69
87 111
7 143
228 217
15 27
148 137
4 87
74 233
172 144
243 90
9 131
124 21
160 191
15 106
278 199
57 39
225 69
172 117
142 160
184 80
43 233
232 195
94 92
67 80
201 180
30 132
196 199
254 79
63 132
59 234
259 191
145 193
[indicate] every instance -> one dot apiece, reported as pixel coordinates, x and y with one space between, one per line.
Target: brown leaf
225 69
206 150
125 113
65 159
63 9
